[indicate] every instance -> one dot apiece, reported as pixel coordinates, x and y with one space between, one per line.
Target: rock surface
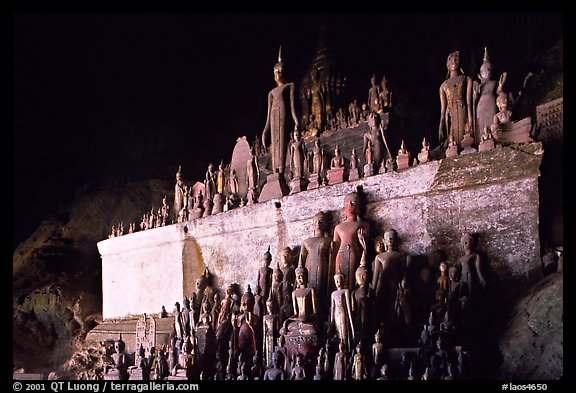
532 345
56 273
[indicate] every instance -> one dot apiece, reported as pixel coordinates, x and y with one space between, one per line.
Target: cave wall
492 194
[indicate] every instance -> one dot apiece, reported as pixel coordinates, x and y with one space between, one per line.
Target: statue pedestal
354 175
403 161
516 132
301 340
314 181
275 187
423 157
297 185
335 176
467 143
368 170
452 151
486 145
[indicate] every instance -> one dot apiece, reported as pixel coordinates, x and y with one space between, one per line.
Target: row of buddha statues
332 315
475 115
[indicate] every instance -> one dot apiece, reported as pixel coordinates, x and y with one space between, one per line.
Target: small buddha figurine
315 254
484 93
289 278
178 321
277 292
319 373
362 299
119 368
470 266
275 373
317 158
220 178
161 369
297 154
452 149
186 360
247 326
358 367
304 304
244 372
338 161
341 313
340 364
259 302
378 350
403 304
298 371
353 159
353 165
384 373
424 155
265 274
347 246
411 372
426 375
504 116
256 371
455 101
389 269
374 96
271 327
443 281
224 327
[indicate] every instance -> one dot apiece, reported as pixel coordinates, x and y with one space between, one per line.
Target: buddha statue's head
467 243
486 68
267 258
453 61
301 275
351 205
390 239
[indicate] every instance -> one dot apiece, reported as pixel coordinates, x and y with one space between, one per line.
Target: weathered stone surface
240 155
532 346
493 194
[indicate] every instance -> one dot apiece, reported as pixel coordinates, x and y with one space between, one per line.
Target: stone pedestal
368 170
274 188
486 145
403 161
297 185
315 181
354 175
452 151
467 143
335 176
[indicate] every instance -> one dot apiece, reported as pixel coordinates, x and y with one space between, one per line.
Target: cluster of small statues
331 315
149 220
475 111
